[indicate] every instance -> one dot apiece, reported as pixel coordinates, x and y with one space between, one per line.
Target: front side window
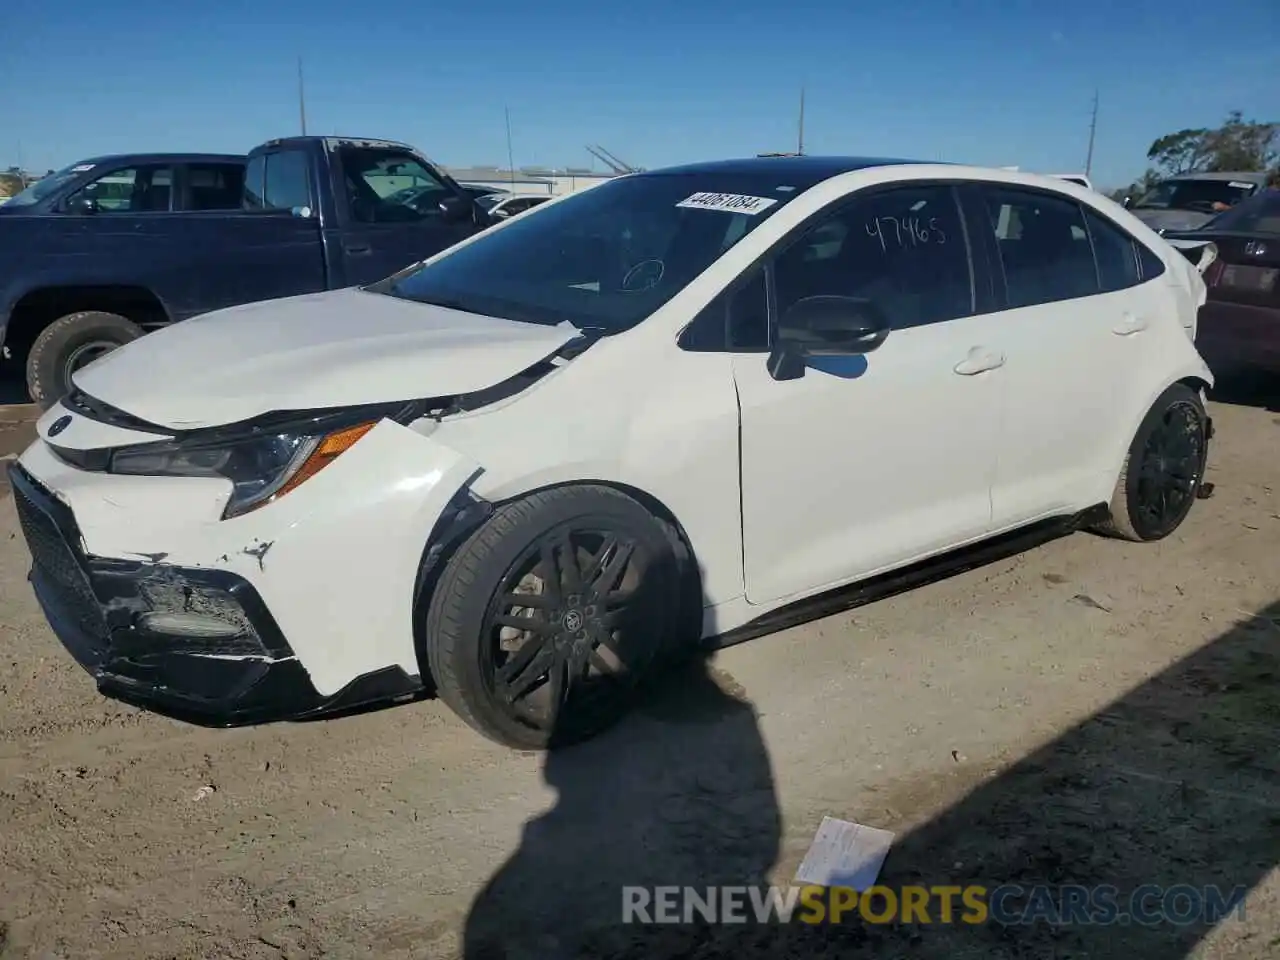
1043 246
603 259
390 186
142 189
903 249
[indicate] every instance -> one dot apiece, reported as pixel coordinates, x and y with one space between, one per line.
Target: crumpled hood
1172 219
322 350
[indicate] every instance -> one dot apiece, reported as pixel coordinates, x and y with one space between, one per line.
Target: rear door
1083 333
390 201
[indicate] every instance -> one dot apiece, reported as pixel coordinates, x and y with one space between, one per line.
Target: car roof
798 171
113 158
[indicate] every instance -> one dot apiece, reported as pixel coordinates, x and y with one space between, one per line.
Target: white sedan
686 404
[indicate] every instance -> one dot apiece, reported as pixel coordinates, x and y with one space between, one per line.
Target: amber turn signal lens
324 454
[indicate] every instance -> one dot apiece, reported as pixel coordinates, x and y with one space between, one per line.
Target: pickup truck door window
146 188
214 186
932 394
393 209
278 181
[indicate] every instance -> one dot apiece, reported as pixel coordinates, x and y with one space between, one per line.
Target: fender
1187 373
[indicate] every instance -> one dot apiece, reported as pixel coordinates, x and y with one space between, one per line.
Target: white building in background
531 180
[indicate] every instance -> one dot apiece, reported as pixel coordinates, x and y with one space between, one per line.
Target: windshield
1197 195
603 259
47 185
1260 215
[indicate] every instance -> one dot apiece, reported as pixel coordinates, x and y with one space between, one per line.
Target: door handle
357 249
979 361
1130 325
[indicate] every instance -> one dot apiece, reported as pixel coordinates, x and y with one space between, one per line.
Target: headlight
261 467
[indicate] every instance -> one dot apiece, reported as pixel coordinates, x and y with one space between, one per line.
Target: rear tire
1163 469
70 343
607 591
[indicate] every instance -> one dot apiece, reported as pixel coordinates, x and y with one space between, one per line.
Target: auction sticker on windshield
732 202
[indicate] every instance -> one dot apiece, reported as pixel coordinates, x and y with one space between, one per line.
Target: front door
867 463
393 212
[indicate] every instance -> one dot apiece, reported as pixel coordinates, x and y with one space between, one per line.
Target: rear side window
278 181
1116 254
214 186
1043 246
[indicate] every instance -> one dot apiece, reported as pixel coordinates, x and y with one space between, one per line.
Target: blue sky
656 83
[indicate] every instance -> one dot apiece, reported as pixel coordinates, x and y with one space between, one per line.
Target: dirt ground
1089 712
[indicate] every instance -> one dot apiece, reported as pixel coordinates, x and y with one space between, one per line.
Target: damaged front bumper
196 644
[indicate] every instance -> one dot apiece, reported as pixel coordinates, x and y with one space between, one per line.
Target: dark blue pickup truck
95 255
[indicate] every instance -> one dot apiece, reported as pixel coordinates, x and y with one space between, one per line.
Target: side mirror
1128 202
500 214
825 326
455 209
82 203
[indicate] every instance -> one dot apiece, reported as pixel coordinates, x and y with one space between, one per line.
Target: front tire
550 616
1163 469
70 343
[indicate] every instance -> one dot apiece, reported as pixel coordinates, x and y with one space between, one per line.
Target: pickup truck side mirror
81 203
1128 202
455 209
825 326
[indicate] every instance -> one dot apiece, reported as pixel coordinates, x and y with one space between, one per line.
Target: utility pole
800 139
302 102
1093 127
511 157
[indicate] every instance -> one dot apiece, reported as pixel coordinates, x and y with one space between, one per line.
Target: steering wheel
645 275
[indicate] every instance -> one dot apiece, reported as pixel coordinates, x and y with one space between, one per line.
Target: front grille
67 584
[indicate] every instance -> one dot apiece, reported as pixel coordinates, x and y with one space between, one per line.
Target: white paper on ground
845 854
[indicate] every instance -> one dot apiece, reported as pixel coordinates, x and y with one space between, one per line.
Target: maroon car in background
1240 322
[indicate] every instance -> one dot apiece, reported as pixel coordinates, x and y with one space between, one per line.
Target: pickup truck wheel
70 343
549 617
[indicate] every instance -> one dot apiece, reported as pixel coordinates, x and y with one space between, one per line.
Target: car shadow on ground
1176 784
681 793
1247 388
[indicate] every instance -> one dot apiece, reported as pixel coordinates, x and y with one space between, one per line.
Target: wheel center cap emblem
573 621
